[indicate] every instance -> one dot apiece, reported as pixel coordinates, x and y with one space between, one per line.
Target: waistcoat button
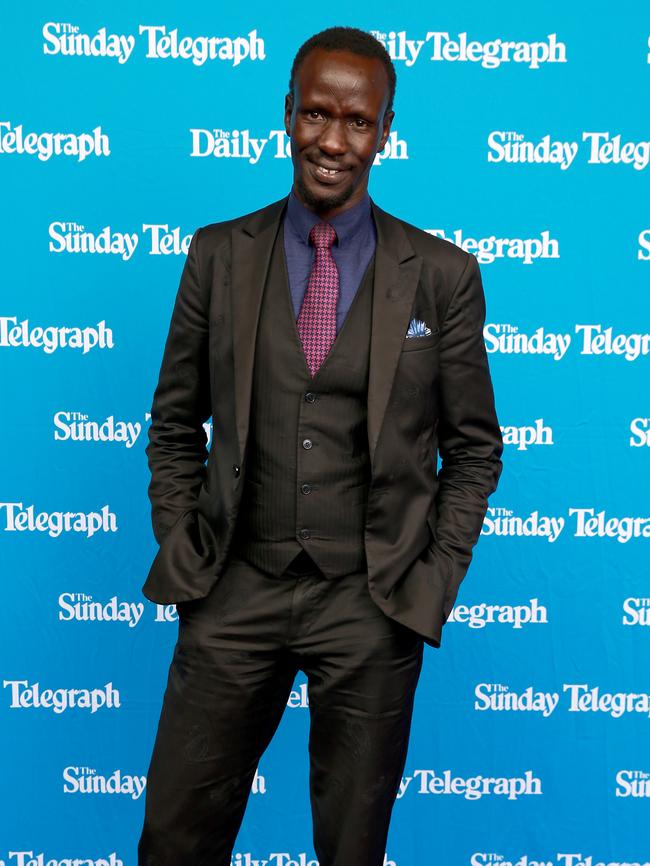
309 397
306 443
306 488
305 533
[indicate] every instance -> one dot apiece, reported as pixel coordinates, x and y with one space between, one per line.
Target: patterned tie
317 319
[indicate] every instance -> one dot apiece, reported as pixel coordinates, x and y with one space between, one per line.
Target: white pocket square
418 328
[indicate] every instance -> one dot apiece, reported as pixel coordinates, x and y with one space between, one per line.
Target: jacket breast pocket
428 341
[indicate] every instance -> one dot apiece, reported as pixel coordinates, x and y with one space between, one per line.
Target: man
337 349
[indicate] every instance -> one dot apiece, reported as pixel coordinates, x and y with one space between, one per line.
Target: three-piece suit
317 533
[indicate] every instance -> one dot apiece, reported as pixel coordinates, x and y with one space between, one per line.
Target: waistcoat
307 463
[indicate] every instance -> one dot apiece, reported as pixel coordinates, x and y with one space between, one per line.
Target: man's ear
388 119
288 108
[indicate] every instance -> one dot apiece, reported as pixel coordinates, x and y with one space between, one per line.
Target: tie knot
322 235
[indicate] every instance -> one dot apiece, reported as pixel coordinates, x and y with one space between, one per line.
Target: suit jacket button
235 470
305 533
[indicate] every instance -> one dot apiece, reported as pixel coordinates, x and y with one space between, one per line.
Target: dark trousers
234 664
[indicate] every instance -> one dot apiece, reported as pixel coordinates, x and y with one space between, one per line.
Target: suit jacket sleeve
181 404
469 437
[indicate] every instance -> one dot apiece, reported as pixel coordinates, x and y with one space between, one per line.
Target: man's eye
313 115
360 122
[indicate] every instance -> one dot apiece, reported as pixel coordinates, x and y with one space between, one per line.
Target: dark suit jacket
425 395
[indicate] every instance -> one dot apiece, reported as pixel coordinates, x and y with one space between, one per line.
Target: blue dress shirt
356 238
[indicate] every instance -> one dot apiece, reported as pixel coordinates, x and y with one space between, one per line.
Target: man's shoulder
435 250
217 232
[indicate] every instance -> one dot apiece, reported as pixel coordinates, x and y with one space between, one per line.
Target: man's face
337 122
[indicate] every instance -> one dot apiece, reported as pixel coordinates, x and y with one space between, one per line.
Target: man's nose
332 139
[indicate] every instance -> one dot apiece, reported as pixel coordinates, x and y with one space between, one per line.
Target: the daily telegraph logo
505 338
25 695
578 697
489 249
602 148
86 780
471 787
559 859
29 858
640 430
51 338
68 40
75 238
528 435
585 523
516 616
25 518
45 145
632 783
441 47
283 858
241 144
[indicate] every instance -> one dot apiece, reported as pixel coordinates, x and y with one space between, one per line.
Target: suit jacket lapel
252 244
397 270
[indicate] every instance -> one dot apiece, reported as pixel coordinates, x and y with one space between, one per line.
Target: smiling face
337 122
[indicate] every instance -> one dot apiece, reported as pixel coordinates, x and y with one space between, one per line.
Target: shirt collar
347 224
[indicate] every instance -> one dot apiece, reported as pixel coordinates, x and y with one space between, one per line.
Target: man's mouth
322 172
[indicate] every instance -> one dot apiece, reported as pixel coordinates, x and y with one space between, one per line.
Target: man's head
338 114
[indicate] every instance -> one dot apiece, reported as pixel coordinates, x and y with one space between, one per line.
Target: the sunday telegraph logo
470 787
16 334
577 698
81 607
77 427
29 858
636 611
86 780
69 40
585 523
25 695
240 144
559 859
505 338
602 148
45 145
640 430
441 47
643 253
632 783
18 517
74 238
488 249
84 607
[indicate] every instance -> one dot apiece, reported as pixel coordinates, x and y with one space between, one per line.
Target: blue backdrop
522 133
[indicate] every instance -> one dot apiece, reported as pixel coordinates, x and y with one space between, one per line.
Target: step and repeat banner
522 134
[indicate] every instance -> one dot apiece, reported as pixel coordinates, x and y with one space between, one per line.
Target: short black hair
347 39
